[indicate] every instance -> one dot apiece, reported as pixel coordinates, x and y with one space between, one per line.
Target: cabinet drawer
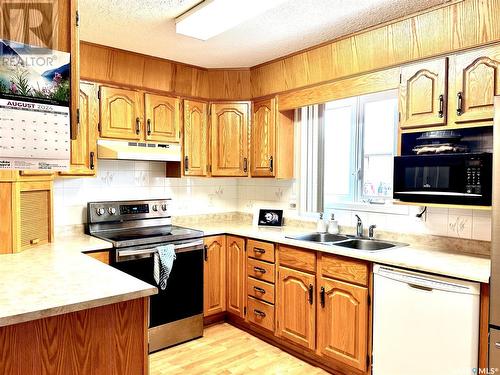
260 250
261 313
260 270
260 290
345 269
297 258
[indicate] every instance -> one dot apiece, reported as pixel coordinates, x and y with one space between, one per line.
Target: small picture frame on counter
270 217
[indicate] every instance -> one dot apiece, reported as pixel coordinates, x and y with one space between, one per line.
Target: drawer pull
259 269
262 314
260 290
259 251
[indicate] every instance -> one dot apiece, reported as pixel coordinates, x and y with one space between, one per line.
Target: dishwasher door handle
421 287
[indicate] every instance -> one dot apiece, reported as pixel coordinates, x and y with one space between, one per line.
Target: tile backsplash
121 180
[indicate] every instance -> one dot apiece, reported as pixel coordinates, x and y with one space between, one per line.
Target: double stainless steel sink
348 241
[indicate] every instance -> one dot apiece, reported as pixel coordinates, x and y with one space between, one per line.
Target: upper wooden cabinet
235 253
296 307
121 113
229 138
343 322
422 94
195 138
474 82
263 139
214 275
83 154
162 118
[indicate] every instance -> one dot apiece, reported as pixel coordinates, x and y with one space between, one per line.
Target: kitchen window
347 149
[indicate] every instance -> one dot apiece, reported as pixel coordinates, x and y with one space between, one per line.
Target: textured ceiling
148 27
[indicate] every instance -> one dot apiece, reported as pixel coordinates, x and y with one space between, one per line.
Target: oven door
183 296
432 179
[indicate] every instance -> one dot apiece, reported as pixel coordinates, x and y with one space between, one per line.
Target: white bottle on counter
321 225
333 225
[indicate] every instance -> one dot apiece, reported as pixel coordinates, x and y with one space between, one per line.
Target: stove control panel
127 210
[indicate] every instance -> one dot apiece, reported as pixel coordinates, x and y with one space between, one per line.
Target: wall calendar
34 107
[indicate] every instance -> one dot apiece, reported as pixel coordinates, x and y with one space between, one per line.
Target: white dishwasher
424 324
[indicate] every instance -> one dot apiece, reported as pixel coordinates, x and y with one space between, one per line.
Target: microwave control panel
473 171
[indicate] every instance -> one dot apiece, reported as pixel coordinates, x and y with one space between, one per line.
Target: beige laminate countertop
446 263
57 278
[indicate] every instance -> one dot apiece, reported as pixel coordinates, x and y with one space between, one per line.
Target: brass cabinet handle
262 314
322 296
137 125
271 164
245 165
441 106
149 126
311 293
92 166
259 269
460 104
259 251
34 241
260 290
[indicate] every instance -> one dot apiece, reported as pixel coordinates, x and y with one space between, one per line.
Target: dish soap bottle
321 225
333 225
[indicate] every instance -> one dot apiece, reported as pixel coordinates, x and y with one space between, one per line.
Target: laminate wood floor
225 349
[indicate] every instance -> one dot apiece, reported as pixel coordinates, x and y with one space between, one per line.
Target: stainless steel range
136 229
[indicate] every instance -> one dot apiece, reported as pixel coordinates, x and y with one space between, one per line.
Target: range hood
123 150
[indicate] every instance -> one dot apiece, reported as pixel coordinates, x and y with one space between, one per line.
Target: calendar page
34 107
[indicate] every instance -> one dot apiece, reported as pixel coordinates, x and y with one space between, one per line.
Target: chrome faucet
359 227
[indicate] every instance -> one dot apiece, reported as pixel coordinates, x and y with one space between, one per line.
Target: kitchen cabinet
235 252
343 322
474 82
214 275
296 307
27 214
422 94
195 138
101 256
120 113
83 155
263 139
162 118
229 138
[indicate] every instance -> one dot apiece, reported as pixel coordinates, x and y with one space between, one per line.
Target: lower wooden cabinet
296 307
343 322
236 275
101 256
214 276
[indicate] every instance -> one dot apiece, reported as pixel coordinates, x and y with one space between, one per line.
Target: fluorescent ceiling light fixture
213 17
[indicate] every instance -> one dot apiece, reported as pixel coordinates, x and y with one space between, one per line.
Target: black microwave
444 178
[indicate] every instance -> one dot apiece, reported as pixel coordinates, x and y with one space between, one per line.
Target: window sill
387 208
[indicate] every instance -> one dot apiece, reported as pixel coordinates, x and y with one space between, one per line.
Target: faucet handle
358 218
370 230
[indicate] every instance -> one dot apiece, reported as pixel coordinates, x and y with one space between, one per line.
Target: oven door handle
122 255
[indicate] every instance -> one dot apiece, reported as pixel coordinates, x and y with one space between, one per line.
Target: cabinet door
162 118
422 94
235 275
195 138
229 147
263 139
295 302
83 154
477 81
343 322
121 114
214 299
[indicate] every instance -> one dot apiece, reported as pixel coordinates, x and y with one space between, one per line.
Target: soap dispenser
321 225
333 225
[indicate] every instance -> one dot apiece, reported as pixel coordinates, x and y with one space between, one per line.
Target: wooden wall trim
454 27
363 84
